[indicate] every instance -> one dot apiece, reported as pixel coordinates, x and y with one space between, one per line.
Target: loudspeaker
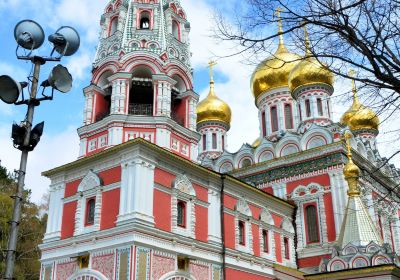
29 34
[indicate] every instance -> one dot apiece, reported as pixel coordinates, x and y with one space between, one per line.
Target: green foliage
30 234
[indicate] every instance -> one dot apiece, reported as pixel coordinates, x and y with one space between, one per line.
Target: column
113 108
159 98
53 229
214 216
281 121
322 214
314 109
88 108
137 191
268 120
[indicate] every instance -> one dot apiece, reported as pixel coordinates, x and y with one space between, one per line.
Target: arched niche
141 95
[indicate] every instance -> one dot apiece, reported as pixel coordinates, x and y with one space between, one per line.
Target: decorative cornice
392 269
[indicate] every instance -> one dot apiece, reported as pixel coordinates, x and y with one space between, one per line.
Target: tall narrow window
214 141
312 224
181 209
176 30
223 142
144 20
274 119
90 207
241 233
300 115
288 116
113 26
265 240
286 248
329 110
264 128
319 107
308 108
204 143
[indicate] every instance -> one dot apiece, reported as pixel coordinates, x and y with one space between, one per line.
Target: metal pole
12 242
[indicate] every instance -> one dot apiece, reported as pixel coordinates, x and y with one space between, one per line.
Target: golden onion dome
351 171
309 71
213 108
274 71
358 116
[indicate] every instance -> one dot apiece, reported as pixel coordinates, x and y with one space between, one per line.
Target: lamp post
29 35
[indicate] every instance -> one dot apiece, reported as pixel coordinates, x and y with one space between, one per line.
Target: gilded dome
213 108
309 71
256 142
274 71
359 117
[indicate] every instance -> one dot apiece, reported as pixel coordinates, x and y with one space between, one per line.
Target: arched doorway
87 274
177 276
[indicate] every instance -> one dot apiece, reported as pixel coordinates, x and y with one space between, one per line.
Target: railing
140 109
101 116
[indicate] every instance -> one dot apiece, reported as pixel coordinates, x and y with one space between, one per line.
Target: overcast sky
63 115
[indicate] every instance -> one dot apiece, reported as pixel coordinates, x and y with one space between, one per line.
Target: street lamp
30 35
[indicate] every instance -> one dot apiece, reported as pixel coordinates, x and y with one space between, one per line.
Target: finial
347 136
280 26
211 64
351 171
352 74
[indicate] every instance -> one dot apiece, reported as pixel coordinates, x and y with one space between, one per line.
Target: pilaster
214 216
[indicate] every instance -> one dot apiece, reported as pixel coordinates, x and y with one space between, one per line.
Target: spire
211 64
357 227
307 42
281 46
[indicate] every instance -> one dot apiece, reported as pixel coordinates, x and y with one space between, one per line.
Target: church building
155 195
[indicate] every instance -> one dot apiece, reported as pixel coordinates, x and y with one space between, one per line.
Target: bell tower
142 83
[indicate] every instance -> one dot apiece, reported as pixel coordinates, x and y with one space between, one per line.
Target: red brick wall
278 247
162 210
111 176
109 208
68 220
256 239
71 188
163 178
229 222
201 223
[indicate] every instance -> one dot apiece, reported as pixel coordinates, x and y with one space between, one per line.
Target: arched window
312 224
145 20
300 115
274 119
308 108
176 30
319 107
286 248
241 233
181 219
288 116
204 143
90 207
264 128
113 26
214 141
246 162
265 240
223 142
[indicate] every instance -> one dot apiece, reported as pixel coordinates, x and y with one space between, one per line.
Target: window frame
274 122
308 108
286 247
263 124
307 223
290 121
242 233
110 28
320 108
265 239
181 205
204 142
214 141
87 209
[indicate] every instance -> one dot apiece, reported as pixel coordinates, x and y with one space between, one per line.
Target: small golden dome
256 142
274 71
351 171
309 71
358 116
213 108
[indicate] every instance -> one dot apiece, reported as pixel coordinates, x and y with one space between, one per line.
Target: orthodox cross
211 64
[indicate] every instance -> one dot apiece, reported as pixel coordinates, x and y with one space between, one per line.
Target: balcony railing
140 109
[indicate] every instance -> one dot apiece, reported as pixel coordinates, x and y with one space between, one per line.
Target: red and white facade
138 205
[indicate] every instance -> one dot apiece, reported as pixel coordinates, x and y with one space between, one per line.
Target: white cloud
52 151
